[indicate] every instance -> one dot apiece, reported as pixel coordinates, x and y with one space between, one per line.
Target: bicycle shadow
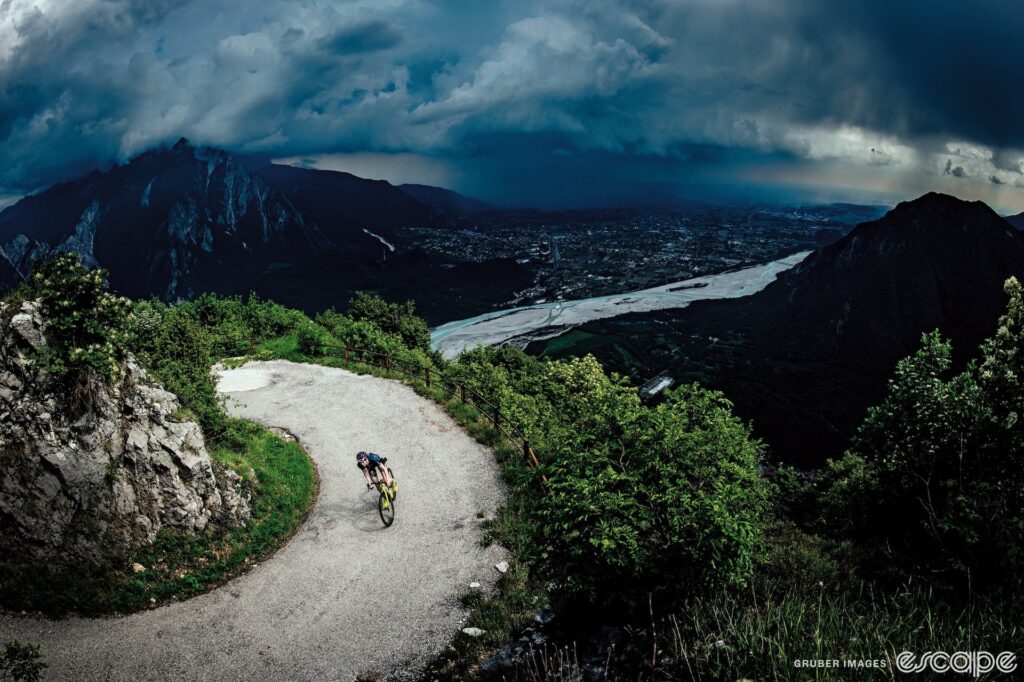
361 513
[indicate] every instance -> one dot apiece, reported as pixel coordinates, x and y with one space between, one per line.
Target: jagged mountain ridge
163 223
806 356
179 221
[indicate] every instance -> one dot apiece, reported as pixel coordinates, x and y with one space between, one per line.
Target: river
545 320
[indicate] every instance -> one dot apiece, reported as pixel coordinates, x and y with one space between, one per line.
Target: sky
554 103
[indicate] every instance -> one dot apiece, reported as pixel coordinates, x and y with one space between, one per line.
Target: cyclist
372 466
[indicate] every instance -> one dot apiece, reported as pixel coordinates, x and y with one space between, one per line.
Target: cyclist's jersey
376 461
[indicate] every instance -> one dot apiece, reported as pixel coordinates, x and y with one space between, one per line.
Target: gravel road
345 595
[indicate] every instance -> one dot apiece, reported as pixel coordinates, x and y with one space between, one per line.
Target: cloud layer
513 95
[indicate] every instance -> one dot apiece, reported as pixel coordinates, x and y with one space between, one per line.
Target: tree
937 470
392 318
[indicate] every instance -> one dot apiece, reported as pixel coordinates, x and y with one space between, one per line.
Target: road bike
386 501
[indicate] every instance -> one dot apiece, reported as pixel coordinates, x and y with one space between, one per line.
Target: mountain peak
936 204
181 144
934 223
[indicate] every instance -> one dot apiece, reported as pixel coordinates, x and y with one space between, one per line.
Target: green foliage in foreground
936 473
84 327
665 501
398 319
759 634
646 500
283 481
21 662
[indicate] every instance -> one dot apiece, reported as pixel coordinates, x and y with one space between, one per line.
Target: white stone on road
345 595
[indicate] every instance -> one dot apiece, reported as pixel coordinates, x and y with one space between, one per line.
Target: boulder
92 484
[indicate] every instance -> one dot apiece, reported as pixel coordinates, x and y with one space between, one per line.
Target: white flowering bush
85 330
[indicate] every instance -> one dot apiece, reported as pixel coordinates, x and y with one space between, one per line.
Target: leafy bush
935 470
144 326
180 357
646 500
84 322
21 662
392 318
368 336
313 339
233 323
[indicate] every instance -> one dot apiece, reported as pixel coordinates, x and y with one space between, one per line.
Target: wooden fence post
387 362
526 450
252 345
345 349
426 372
462 390
497 417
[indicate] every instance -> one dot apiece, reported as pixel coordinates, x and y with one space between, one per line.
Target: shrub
144 326
181 358
392 318
935 470
647 501
313 339
84 322
21 662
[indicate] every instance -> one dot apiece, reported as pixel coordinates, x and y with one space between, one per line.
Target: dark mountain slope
169 223
1016 220
444 200
806 356
8 275
343 204
176 222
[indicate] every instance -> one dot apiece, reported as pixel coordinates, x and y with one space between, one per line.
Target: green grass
574 341
759 635
284 347
178 566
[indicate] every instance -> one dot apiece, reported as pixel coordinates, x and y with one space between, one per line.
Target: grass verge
177 566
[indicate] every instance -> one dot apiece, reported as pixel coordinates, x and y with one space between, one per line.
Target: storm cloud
515 98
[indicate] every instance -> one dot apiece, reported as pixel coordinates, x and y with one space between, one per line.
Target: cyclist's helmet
362 458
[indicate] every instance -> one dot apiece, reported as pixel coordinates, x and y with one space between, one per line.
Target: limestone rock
94 485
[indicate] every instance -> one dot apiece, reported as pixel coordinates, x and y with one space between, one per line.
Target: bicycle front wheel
386 507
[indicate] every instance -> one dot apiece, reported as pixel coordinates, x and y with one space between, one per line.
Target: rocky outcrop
93 484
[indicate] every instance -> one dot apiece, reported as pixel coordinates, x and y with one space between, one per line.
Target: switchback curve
345 595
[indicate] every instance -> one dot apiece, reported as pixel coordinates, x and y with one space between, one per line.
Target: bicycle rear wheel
386 508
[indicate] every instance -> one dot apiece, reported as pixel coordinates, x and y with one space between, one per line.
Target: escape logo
973 663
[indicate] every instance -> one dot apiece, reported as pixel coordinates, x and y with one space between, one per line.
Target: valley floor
345 595
545 320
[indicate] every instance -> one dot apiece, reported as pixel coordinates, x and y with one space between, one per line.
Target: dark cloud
370 35
671 90
955 171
